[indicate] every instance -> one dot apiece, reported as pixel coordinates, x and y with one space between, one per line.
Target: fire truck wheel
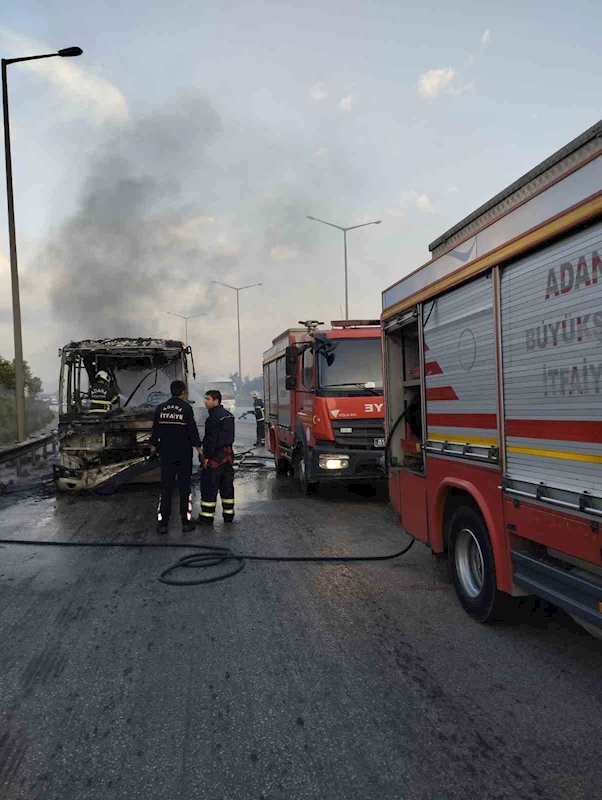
473 567
281 465
301 471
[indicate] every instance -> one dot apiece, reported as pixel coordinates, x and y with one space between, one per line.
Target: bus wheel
473 567
301 474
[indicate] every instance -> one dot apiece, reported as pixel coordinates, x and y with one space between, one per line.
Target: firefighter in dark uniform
174 435
259 411
103 394
218 461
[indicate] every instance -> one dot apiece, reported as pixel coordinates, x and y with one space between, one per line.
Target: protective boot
162 528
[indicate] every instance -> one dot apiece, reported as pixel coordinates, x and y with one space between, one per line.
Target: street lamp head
70 52
314 219
378 221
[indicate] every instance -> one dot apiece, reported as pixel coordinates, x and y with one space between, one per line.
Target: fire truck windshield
356 367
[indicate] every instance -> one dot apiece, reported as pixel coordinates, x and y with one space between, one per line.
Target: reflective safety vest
102 398
259 410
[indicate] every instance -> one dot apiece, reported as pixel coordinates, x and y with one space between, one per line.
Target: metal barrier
31 448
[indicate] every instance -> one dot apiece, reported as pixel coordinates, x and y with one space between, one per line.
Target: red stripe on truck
432 368
484 421
562 429
441 393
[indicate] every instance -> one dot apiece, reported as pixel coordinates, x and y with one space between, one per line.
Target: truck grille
363 433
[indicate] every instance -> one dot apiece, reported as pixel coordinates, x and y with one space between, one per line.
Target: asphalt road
288 682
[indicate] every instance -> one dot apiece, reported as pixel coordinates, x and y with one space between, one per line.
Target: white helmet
255 395
102 376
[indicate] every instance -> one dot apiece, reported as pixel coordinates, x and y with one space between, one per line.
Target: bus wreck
101 451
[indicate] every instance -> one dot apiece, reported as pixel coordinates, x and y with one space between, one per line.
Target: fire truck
324 403
493 392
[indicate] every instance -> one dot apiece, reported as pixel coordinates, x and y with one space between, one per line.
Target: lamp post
238 289
12 238
194 316
350 228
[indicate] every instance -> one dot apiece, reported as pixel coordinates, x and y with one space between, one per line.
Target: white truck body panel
551 309
460 367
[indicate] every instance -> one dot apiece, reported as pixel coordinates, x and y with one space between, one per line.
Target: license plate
379 443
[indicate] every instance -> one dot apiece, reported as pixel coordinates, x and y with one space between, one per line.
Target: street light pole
350 228
12 240
194 316
238 289
238 329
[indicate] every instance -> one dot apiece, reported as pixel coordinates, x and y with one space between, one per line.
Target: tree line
37 414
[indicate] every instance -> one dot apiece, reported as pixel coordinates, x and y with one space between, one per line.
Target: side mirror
292 355
291 383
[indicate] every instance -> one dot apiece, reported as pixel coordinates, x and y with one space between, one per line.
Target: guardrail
17 454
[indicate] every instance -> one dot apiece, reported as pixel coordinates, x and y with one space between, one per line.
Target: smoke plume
140 242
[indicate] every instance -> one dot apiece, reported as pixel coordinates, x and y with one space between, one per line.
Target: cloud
87 93
435 81
346 103
458 91
318 92
412 199
451 190
424 204
442 81
283 253
320 153
486 37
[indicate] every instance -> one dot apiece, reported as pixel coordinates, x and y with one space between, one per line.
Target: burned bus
101 450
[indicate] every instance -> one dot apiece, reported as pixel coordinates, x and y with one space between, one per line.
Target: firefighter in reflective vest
259 411
174 435
218 461
103 394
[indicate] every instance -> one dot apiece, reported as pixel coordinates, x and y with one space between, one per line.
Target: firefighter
174 435
259 411
103 394
218 460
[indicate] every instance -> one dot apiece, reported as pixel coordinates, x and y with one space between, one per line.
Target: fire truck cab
324 403
493 391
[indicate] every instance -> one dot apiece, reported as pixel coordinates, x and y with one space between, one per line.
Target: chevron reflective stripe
159 516
189 512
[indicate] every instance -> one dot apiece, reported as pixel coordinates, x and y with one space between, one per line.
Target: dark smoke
123 257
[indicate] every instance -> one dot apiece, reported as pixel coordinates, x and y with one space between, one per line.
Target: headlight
333 462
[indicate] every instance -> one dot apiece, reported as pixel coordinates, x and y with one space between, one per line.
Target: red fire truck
493 392
323 398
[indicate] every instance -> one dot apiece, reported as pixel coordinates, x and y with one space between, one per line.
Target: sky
191 141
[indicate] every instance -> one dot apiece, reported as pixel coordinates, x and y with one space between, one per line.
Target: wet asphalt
286 682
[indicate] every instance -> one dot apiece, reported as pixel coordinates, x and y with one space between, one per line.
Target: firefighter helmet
103 376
